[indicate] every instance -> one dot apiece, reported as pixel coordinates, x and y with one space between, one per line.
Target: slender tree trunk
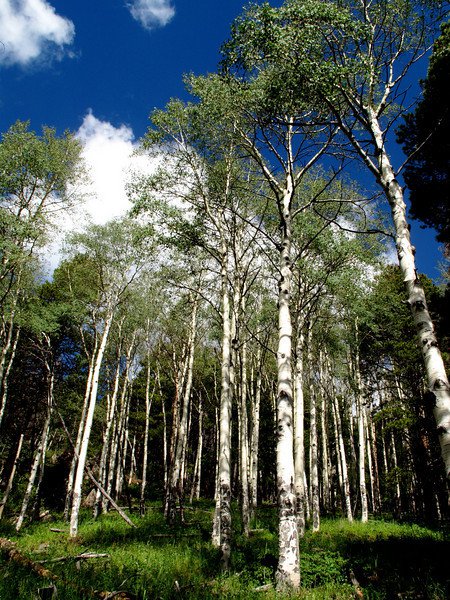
224 464
438 384
148 406
133 465
299 432
314 472
6 365
243 434
106 439
76 452
326 467
165 448
373 444
39 457
254 448
82 456
122 437
113 460
398 494
361 461
197 476
345 479
11 476
360 408
215 536
176 484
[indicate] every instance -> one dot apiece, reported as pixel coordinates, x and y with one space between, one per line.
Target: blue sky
98 68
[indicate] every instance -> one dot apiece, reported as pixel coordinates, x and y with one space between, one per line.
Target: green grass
153 561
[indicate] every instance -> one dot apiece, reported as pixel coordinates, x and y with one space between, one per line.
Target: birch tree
117 252
369 49
204 211
39 178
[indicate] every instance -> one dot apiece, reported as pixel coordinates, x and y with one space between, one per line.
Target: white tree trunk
314 471
6 364
110 414
148 406
254 447
243 434
299 433
39 457
176 484
288 572
82 455
326 467
345 479
215 536
11 477
76 450
197 475
224 464
369 459
360 408
438 384
398 495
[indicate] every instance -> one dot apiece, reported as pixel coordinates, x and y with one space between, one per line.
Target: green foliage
425 136
156 561
283 53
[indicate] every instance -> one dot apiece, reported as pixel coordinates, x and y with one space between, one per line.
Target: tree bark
224 471
11 477
254 447
438 384
314 472
39 457
76 501
288 571
148 406
176 483
197 476
243 432
106 438
299 433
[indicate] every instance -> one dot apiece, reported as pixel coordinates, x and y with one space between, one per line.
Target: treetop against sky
99 69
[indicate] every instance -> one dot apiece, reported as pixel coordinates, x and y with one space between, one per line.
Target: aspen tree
40 175
39 456
313 444
11 476
211 198
197 475
360 409
148 405
176 482
370 50
116 265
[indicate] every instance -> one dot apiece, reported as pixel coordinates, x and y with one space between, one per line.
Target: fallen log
89 473
355 583
83 556
10 549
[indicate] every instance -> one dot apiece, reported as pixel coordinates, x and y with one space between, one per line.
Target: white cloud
29 29
151 13
108 156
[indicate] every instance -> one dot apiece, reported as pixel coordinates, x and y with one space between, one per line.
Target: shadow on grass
402 568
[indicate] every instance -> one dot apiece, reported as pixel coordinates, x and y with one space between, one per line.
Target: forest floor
378 560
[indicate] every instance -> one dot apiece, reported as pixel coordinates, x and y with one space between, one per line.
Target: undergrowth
155 561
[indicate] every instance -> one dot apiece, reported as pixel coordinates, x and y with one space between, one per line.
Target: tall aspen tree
361 83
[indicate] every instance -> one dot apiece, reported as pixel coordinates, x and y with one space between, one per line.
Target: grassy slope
389 560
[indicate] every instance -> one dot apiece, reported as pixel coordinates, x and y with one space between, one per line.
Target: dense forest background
243 335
